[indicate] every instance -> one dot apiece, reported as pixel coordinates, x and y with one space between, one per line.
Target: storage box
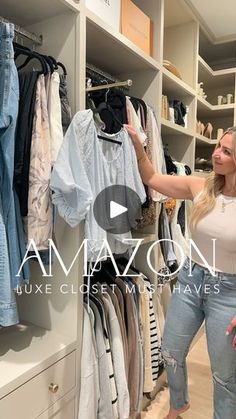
136 26
108 10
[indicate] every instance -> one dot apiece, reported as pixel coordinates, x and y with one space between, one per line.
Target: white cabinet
42 391
64 409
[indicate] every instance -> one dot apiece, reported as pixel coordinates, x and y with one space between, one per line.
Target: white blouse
84 167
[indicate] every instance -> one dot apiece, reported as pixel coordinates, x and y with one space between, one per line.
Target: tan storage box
136 26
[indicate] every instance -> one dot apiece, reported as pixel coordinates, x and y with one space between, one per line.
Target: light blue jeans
12 242
197 298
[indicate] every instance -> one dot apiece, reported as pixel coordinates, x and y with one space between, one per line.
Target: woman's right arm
178 187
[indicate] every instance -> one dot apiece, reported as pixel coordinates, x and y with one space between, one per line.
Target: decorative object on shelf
208 130
224 100
179 111
165 112
220 132
219 100
229 97
170 67
200 90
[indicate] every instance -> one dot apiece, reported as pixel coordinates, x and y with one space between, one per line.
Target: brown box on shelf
136 26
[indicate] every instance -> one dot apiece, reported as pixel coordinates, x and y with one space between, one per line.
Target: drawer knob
53 388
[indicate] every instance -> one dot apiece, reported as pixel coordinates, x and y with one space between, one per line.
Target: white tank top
219 224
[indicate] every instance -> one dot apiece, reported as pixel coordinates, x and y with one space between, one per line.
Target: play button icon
116 209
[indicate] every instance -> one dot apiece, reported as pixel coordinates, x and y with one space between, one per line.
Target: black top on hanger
30 55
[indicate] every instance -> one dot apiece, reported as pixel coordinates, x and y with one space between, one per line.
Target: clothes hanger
55 64
48 62
59 64
106 106
122 263
109 140
104 274
103 106
110 109
16 45
30 55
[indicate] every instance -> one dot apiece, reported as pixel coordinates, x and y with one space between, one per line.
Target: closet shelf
206 109
169 128
26 350
25 14
218 81
173 86
112 51
204 66
201 140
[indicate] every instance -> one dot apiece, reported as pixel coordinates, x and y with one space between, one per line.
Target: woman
213 296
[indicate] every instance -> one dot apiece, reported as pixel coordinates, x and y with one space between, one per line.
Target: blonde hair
213 187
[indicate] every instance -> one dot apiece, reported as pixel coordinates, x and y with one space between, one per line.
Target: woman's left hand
231 327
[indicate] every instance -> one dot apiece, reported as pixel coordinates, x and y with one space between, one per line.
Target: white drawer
34 397
63 409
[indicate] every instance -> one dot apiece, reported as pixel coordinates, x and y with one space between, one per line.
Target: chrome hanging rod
36 39
126 83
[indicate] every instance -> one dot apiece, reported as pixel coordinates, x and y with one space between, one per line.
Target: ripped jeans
197 298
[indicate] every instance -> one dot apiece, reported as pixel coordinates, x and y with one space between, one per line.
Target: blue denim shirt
12 248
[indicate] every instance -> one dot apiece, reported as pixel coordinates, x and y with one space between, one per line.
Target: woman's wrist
140 151
142 157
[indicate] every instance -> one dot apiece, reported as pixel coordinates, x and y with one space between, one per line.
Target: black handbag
179 111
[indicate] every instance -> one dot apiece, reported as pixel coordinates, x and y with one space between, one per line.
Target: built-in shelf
112 51
169 128
202 140
215 83
26 350
205 108
203 65
26 14
172 85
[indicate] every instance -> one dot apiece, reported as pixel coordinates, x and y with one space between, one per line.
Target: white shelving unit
74 35
181 47
46 347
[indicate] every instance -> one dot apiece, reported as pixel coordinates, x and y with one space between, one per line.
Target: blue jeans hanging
9 97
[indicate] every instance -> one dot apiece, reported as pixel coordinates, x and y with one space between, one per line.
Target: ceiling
217 18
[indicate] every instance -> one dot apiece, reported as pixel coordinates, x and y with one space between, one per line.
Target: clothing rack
96 72
36 39
126 83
